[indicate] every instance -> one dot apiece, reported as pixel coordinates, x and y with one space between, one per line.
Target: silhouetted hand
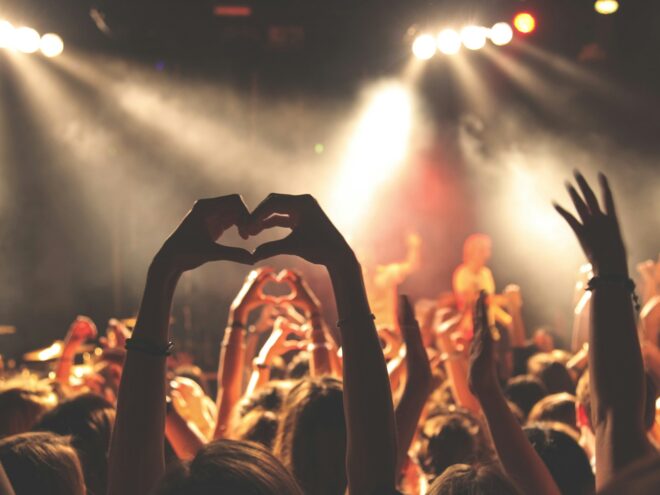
598 233
193 243
482 374
313 237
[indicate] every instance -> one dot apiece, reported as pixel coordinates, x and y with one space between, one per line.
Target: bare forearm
5 485
141 401
320 350
230 377
371 453
518 457
617 382
185 441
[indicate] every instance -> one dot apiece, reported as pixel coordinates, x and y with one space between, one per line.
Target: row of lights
27 40
449 41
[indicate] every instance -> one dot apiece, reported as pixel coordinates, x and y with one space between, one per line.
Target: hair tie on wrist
620 280
150 348
356 319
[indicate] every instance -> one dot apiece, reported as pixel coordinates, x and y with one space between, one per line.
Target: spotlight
525 22
51 45
501 34
449 42
6 34
26 40
424 46
474 37
606 7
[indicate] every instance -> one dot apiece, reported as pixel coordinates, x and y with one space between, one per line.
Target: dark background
94 173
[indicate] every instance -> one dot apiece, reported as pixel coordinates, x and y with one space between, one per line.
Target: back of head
566 460
311 440
41 462
461 479
258 426
525 391
551 372
450 438
88 419
21 408
269 397
555 407
232 468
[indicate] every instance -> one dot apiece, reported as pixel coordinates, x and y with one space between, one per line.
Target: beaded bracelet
621 280
149 348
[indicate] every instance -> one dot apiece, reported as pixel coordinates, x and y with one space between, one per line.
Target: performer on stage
473 276
382 282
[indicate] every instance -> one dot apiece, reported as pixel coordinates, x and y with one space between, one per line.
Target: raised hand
193 243
302 295
313 236
81 329
250 296
482 374
597 230
278 342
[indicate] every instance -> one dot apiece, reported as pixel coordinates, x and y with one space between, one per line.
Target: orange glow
232 11
525 22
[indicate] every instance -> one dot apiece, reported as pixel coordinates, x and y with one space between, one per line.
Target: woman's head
41 462
566 460
462 479
311 440
88 419
450 438
232 468
21 408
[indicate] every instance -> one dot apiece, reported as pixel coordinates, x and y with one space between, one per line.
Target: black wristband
620 280
149 348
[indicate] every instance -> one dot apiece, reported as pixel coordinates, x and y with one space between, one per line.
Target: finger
588 193
218 252
278 221
405 312
274 248
580 205
274 204
570 219
608 199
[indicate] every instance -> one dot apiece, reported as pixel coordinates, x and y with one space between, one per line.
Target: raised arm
518 457
80 330
136 460
418 381
371 442
305 299
232 353
616 371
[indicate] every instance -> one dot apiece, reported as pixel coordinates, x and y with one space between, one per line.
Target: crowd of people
451 397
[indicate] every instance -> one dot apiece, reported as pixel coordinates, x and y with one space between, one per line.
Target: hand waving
599 233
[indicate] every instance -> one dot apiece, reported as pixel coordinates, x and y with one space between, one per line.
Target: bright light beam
474 37
377 147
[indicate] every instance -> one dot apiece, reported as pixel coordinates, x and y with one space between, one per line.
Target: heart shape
272 291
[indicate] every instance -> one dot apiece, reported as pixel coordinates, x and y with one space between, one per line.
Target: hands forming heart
252 294
313 237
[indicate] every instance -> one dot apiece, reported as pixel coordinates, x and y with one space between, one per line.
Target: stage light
424 46
501 34
449 42
6 34
26 40
474 37
606 7
525 22
51 45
